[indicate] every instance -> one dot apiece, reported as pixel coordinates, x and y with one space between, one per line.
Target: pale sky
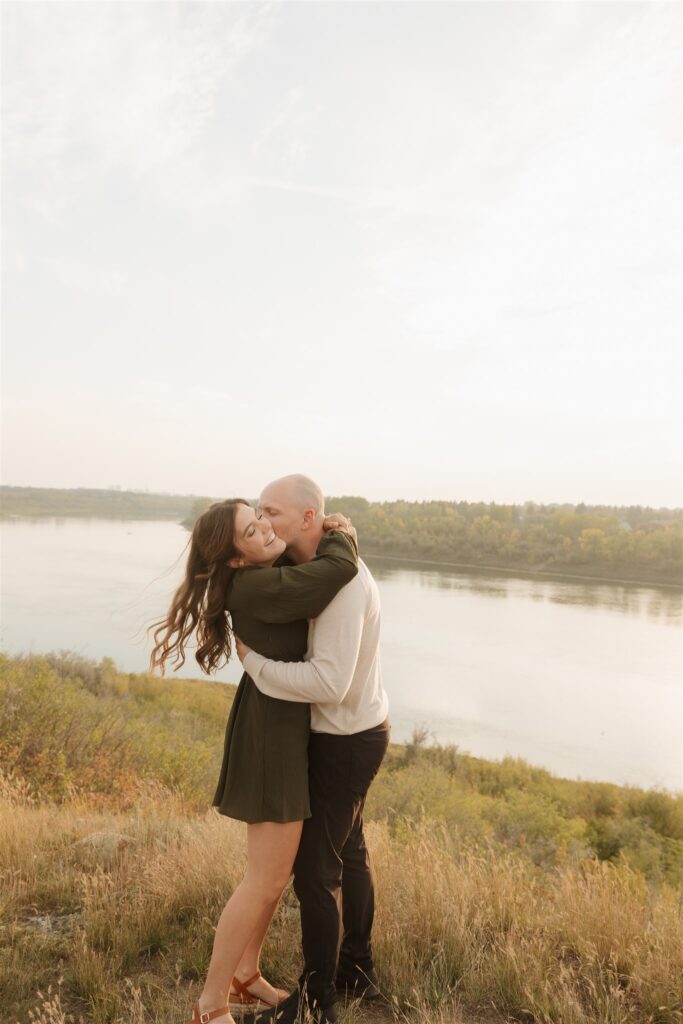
419 250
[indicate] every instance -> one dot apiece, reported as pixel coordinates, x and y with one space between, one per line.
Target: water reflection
630 599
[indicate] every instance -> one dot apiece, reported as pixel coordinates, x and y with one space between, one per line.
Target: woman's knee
265 888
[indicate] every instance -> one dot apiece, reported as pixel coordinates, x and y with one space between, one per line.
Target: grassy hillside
502 890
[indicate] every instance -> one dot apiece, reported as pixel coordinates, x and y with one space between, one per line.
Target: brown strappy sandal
203 1018
243 1000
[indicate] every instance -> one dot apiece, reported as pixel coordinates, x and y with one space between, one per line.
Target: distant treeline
94 503
612 542
628 542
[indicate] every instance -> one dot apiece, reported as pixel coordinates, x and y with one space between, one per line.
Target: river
580 677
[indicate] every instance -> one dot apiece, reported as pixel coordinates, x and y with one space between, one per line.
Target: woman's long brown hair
199 601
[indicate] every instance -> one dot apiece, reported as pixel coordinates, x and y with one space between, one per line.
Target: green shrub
69 725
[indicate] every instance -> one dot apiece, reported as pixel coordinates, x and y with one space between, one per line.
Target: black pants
332 876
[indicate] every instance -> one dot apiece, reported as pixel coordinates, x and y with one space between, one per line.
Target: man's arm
293 592
326 677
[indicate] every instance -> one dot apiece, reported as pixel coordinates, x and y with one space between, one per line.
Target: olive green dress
264 775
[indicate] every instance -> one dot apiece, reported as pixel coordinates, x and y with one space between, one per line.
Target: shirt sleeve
326 677
291 592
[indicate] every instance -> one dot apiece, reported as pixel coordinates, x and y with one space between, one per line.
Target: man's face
278 503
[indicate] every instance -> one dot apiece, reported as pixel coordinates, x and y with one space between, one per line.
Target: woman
264 775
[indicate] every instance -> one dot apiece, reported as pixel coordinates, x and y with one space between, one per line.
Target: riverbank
521 572
171 730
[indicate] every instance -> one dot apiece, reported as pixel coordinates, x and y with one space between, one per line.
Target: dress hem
260 821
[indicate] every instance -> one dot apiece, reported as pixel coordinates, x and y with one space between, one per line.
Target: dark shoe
358 984
328 1015
297 1010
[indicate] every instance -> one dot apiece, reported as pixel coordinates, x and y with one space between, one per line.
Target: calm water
584 679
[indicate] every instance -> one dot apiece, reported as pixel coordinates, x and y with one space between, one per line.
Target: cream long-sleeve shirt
341 677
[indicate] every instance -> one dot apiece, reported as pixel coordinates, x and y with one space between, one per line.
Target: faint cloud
285 139
86 277
346 195
121 88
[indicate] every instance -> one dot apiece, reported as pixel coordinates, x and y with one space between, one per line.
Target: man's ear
309 517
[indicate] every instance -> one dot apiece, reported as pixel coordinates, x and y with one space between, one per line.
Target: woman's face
255 538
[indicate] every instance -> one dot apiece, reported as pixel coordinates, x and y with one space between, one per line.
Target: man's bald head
295 505
298 490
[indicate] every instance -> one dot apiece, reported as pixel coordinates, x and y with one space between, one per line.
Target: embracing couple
283 585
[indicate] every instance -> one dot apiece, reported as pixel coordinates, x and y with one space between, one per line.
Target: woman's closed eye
251 530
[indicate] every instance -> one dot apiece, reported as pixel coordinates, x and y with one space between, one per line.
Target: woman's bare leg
271 851
250 962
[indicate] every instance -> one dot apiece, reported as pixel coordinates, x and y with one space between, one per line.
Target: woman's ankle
211 999
246 970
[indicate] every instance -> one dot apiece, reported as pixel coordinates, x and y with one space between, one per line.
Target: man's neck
305 546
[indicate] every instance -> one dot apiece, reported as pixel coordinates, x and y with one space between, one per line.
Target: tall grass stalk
128 922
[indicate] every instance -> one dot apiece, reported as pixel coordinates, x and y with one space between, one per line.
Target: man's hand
242 649
337 521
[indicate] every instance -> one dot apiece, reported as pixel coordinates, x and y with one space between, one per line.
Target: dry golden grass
117 929
588 944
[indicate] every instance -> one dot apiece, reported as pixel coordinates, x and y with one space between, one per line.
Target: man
341 679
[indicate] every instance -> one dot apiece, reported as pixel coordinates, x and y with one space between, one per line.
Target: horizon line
116 489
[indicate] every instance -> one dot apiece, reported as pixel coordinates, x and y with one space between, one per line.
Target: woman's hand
242 649
337 521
